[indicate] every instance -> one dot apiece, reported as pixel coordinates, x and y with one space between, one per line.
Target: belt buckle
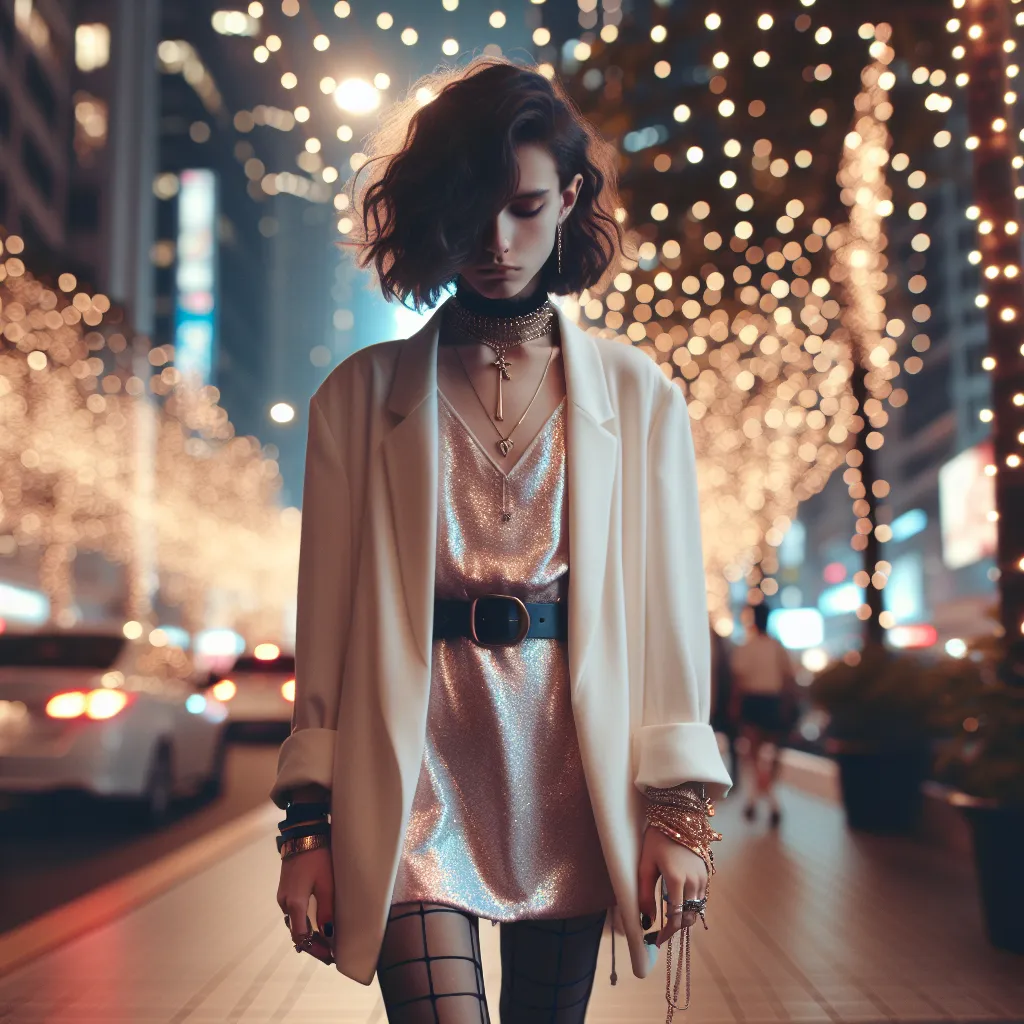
524 621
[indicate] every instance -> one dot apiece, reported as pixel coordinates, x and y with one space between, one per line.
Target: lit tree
783 322
70 408
984 51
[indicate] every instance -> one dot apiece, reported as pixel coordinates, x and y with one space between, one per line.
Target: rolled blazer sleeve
323 607
676 743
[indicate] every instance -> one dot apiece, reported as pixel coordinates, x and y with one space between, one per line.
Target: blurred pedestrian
764 702
493 735
723 718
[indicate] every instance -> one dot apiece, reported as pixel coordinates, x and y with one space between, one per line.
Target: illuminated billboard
195 314
967 501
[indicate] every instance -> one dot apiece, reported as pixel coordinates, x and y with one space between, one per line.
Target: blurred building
168 213
36 44
223 112
197 83
111 211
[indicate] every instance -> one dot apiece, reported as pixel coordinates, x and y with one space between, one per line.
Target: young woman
502 654
765 702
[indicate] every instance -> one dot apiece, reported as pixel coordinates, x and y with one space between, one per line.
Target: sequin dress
501 822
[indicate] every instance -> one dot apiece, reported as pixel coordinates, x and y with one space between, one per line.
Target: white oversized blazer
638 643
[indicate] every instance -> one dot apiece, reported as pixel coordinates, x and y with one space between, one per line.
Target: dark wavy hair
439 168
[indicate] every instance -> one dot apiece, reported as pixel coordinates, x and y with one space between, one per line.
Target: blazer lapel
592 458
410 460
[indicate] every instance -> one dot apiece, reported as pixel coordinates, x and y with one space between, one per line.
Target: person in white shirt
763 699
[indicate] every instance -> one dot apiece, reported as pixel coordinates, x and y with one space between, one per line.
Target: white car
258 690
116 718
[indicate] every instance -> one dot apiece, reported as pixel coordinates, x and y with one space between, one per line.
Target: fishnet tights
429 967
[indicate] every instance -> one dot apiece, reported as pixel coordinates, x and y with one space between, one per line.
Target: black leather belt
499 620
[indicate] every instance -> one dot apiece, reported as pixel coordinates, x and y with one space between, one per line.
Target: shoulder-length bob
442 163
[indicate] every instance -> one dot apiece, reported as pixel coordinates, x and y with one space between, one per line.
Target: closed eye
528 213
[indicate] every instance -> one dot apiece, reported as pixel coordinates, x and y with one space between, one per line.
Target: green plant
983 754
886 700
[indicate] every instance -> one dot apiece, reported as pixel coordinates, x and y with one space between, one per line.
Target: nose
496 240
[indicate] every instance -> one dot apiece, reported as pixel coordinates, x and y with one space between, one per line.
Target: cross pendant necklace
505 440
510 332
502 366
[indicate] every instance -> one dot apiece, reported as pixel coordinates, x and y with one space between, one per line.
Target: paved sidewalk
808 924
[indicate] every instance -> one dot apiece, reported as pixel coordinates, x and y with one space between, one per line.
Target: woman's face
525 227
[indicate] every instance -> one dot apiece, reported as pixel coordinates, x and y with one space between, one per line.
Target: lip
497 271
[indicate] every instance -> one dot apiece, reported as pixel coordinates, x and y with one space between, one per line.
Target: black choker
478 304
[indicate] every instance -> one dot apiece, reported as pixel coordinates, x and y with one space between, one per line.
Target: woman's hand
685 878
304 875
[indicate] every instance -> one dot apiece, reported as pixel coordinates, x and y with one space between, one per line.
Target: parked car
258 691
94 711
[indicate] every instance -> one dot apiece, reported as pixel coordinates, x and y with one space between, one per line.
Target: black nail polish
650 938
329 930
645 921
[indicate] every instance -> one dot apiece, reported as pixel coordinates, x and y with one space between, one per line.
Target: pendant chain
505 443
511 332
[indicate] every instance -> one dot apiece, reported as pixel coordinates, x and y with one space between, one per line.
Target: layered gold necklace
500 333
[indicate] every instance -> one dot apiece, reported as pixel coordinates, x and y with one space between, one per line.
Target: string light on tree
987 77
71 405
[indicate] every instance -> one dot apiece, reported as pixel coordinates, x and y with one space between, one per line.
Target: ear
569 196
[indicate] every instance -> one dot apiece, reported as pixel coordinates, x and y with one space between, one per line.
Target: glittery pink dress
501 821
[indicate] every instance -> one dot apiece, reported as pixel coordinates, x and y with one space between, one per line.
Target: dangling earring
558 232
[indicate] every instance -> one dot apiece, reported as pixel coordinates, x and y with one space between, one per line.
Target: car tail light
101 704
66 705
224 690
288 690
96 704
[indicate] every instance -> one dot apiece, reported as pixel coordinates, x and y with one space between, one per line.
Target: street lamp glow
282 412
956 648
234 23
356 96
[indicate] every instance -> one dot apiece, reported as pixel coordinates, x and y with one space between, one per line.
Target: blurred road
54 850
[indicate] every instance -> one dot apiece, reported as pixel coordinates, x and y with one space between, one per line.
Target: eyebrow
535 194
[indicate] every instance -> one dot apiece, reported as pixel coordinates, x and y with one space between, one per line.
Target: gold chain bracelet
303 844
682 814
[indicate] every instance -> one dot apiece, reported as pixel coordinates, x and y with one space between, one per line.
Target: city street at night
555 464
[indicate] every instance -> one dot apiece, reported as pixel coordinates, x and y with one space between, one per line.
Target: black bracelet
314 819
290 831
302 812
312 830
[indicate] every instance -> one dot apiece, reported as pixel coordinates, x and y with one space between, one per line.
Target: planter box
998 832
881 789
